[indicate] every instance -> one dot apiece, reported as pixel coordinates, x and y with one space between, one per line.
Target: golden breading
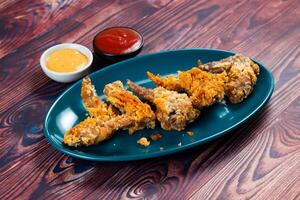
171 82
202 87
92 131
104 120
143 141
130 105
173 110
93 103
241 72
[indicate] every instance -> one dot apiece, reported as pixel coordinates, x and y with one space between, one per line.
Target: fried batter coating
173 110
130 105
93 103
241 72
202 87
143 141
92 131
171 82
102 123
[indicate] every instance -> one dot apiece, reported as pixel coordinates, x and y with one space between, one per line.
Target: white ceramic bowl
65 77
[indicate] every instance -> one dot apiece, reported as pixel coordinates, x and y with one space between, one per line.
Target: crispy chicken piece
202 87
130 105
241 72
104 120
92 131
93 103
173 110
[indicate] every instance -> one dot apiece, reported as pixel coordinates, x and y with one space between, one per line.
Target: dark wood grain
258 161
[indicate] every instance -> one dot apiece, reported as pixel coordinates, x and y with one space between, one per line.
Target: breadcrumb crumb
190 133
143 141
156 136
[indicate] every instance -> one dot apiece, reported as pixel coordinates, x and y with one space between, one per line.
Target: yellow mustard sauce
66 60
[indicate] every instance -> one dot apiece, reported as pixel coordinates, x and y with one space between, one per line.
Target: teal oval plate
214 122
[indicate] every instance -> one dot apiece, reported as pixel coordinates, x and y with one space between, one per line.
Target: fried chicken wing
202 87
173 110
241 72
104 120
93 104
92 131
130 105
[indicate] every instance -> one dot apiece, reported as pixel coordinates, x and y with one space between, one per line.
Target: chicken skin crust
92 131
203 88
103 122
93 104
242 75
104 119
131 105
173 110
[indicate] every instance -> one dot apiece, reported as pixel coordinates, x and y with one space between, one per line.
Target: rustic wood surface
261 160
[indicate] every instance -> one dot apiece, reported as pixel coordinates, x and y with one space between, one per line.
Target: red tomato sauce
118 40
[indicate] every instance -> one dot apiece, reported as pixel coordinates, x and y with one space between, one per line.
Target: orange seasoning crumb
156 136
143 141
190 133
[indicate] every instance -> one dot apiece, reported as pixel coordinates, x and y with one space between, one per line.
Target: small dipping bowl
109 42
66 77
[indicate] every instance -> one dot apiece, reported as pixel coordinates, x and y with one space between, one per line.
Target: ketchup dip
118 41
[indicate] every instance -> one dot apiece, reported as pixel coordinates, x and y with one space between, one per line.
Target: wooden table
261 160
